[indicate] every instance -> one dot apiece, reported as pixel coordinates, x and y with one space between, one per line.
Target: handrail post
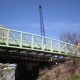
59 47
42 43
21 39
51 45
66 47
32 41
7 37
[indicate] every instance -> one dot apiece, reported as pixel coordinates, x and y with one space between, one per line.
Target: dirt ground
61 71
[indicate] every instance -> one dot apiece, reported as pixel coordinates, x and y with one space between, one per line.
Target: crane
41 23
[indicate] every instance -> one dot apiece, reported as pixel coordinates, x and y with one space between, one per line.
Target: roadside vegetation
47 78
74 77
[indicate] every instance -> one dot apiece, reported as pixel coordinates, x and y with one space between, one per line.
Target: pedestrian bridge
23 41
31 52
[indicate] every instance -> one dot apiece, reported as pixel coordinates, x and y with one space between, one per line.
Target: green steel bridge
18 45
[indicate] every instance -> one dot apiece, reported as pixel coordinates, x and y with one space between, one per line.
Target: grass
74 77
47 78
6 70
3 79
78 60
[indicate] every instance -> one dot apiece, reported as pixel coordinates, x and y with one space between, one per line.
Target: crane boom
41 22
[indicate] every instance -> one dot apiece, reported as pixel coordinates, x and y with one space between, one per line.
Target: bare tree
73 38
69 37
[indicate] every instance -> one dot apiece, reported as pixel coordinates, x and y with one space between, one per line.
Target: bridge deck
22 40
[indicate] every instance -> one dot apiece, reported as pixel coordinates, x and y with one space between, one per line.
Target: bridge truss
25 44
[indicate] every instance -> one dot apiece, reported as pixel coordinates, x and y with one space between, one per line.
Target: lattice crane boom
41 22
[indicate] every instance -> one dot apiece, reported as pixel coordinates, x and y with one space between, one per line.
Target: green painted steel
25 40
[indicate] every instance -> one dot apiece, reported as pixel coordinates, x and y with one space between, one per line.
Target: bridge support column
30 71
22 72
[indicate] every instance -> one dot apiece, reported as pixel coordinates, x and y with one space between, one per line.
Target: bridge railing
24 40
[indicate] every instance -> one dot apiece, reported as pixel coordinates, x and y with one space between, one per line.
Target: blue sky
58 15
